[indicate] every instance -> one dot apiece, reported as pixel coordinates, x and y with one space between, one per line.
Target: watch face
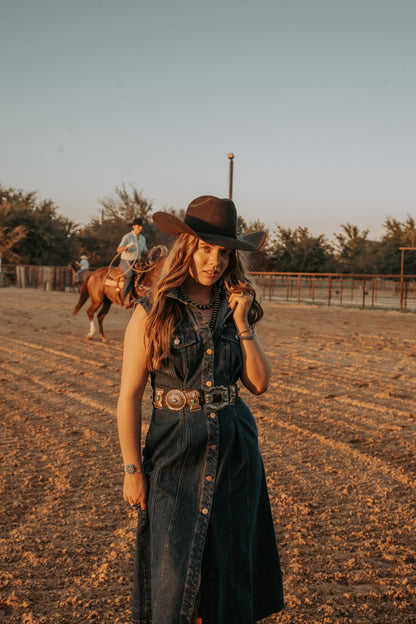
130 468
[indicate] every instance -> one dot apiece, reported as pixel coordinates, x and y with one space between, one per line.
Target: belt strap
214 398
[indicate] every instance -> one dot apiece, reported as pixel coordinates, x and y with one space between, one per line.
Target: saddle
115 278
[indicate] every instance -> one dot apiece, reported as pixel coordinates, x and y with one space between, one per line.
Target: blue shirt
137 245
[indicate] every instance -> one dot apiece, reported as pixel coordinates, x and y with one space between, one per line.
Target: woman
205 543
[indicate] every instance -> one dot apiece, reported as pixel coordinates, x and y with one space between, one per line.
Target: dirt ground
337 432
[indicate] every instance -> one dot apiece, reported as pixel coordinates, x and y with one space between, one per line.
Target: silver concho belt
214 398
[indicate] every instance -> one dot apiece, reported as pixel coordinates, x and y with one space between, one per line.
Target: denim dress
208 529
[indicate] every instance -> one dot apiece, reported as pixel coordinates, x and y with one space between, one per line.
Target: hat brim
172 225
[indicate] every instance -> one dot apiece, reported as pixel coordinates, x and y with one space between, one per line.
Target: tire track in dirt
30 346
343 507
51 387
346 453
62 483
389 434
326 414
365 405
358 374
60 376
378 412
315 487
72 537
365 519
329 357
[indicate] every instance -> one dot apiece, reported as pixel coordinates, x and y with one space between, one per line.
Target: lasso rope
149 260
131 265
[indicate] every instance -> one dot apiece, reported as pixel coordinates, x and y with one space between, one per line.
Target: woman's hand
135 489
256 369
240 302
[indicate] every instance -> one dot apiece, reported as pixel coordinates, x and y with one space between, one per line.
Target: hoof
103 339
90 336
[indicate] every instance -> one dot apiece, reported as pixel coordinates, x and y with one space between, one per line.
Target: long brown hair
166 312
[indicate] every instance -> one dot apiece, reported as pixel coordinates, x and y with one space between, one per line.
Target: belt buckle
212 394
193 400
157 398
175 399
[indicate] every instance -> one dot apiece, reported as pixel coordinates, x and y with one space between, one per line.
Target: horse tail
83 296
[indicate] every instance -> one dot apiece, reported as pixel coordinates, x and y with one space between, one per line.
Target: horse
75 282
105 286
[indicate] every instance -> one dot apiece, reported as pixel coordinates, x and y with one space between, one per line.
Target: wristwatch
131 469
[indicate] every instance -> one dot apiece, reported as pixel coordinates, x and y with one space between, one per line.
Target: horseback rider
84 265
131 247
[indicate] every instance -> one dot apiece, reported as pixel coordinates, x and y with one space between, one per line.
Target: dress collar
224 310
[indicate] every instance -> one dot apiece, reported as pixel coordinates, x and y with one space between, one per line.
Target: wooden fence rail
365 291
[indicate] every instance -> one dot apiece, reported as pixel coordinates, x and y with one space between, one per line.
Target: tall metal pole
230 188
401 279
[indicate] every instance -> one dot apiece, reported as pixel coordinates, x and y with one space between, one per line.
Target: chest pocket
229 332
184 350
230 347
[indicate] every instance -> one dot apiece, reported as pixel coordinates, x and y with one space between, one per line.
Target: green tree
9 237
257 260
100 238
126 205
297 250
42 236
397 235
356 254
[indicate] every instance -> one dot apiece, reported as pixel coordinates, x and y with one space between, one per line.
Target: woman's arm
256 369
133 382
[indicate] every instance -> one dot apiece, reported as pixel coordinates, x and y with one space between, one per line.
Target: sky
315 98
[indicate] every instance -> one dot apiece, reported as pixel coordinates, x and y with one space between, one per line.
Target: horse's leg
91 311
91 333
84 294
101 316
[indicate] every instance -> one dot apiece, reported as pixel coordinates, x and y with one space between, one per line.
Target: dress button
209 351
204 511
176 341
213 447
208 383
212 415
208 478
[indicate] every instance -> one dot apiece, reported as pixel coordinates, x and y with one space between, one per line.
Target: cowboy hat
136 221
213 220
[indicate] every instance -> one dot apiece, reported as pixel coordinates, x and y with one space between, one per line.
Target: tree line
32 231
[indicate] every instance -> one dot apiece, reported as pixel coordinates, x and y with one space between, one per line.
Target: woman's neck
197 292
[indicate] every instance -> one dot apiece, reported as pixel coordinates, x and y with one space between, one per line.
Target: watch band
132 469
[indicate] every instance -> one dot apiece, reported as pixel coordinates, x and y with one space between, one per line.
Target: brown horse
105 286
75 282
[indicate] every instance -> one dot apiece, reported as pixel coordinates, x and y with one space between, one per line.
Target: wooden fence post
21 276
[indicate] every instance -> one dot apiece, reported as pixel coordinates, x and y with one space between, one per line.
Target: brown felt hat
213 220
